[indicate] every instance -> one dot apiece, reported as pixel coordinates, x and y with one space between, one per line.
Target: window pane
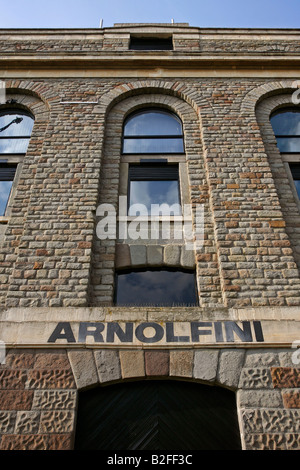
153 123
164 145
297 184
13 145
295 170
18 125
14 125
5 188
156 288
288 144
154 192
151 44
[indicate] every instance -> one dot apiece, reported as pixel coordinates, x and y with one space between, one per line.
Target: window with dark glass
7 174
150 43
153 185
152 132
286 127
295 170
156 287
15 131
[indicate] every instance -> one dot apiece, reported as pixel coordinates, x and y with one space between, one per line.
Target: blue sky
202 13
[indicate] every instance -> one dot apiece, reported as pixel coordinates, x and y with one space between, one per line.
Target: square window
151 43
156 188
156 287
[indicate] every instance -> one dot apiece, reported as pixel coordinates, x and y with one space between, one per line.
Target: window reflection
295 170
153 131
156 287
154 193
154 185
7 174
5 189
15 132
286 127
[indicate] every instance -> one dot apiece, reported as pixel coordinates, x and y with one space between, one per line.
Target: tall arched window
153 181
286 127
152 131
15 131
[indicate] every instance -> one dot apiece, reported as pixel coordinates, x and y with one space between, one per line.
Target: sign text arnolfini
154 332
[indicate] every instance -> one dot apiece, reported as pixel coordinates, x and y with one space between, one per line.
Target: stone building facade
61 330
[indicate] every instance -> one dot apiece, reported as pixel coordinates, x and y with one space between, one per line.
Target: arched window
152 131
286 127
15 131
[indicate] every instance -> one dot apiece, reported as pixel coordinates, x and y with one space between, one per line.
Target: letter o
159 332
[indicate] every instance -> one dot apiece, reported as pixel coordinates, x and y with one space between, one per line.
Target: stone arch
117 104
28 95
125 90
259 93
220 367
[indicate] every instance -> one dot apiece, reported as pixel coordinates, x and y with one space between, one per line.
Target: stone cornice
143 61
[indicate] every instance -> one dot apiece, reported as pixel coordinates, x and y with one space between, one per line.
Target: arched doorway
157 415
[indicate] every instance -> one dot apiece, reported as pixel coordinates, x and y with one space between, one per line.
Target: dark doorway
157 415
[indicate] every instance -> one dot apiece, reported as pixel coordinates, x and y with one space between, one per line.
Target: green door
157 415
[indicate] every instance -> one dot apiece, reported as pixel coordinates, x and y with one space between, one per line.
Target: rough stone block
154 255
54 399
285 377
157 363
84 368
181 363
132 364
205 364
172 255
123 259
187 258
259 399
16 399
50 379
291 399
57 421
27 422
230 366
255 378
108 365
138 255
7 422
